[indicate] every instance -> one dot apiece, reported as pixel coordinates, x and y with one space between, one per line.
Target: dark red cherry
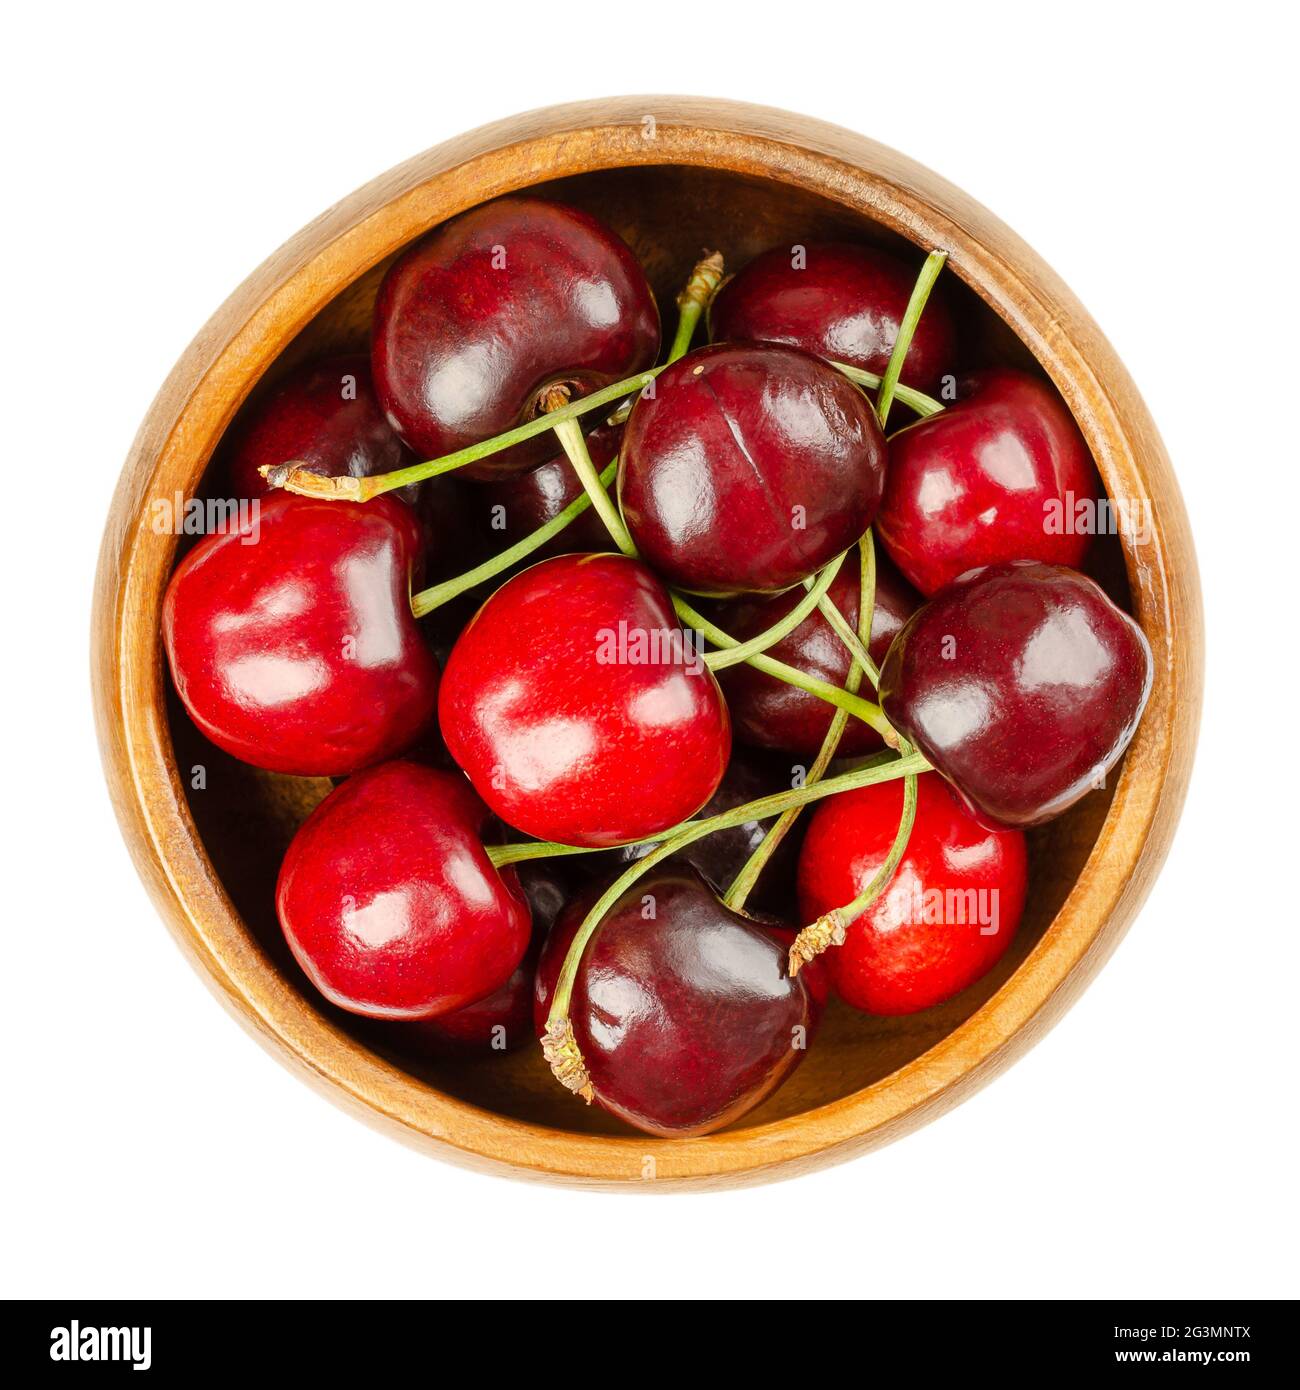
684 1011
842 302
389 901
946 917
476 321
721 856
503 1020
325 416
292 643
771 713
508 509
749 468
579 709
1022 684
994 477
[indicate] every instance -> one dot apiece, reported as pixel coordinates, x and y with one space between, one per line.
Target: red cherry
324 416
748 469
946 917
684 1011
577 708
476 321
844 303
508 509
993 477
503 1020
297 650
389 901
1022 684
773 714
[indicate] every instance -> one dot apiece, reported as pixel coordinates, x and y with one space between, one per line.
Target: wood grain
700 172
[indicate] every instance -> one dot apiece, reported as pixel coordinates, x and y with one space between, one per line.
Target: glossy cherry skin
503 1020
298 652
576 708
994 477
325 416
845 304
686 1018
474 322
1022 684
389 901
947 916
770 713
748 469
721 856
508 509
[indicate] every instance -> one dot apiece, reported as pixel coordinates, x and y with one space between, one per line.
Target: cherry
500 1021
292 643
749 468
578 708
684 1011
947 915
993 477
721 856
842 302
474 323
770 713
325 416
513 507
1021 683
389 901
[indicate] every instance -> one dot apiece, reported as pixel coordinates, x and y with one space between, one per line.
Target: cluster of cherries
936 700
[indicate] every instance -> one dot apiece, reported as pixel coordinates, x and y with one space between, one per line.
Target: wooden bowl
673 175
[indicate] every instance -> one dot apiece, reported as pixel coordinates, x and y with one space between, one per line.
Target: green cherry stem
695 298
856 642
830 928
520 851
918 401
852 640
884 767
294 478
428 599
559 1044
744 882
934 263
570 435
865 710
769 637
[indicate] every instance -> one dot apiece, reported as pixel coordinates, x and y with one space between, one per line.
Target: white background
1147 1147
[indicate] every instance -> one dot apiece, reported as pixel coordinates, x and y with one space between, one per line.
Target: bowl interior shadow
245 817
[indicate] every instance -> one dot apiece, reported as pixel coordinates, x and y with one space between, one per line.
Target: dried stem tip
555 397
560 1048
704 282
293 477
812 941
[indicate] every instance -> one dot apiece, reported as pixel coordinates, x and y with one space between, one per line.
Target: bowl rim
266 312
